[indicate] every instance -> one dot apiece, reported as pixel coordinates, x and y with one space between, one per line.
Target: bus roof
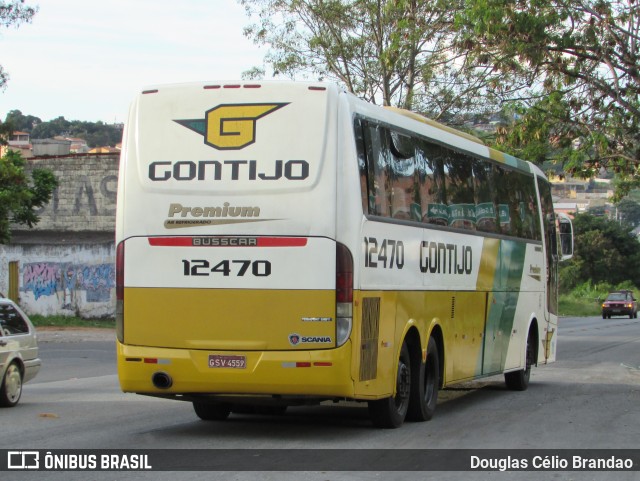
433 123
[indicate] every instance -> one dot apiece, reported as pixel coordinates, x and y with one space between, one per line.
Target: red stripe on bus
170 241
261 242
282 241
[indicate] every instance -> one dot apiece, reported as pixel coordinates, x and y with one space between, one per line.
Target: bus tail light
120 292
344 294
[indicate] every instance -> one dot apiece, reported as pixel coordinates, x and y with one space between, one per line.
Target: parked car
19 361
620 303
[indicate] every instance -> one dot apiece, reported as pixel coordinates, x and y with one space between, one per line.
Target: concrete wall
67 261
51 147
73 280
85 200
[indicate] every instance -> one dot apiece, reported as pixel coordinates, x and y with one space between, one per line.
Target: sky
86 59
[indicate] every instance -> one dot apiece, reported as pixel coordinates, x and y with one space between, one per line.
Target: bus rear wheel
392 411
212 411
519 380
424 396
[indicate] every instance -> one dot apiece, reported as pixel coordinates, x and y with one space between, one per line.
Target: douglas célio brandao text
550 463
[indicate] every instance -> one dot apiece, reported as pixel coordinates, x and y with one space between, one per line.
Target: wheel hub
404 382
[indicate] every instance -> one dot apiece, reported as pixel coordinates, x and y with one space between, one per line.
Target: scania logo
230 126
296 339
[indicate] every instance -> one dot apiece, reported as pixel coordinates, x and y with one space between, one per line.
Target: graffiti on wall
65 280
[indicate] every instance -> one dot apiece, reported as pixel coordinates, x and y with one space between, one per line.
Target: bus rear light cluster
120 292
344 294
307 364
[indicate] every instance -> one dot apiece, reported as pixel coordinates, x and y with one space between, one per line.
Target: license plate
230 362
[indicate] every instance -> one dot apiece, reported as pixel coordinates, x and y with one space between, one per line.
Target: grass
71 321
571 306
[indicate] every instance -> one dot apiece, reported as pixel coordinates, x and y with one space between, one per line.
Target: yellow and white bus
282 243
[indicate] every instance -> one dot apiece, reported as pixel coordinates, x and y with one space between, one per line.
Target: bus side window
378 161
433 204
460 191
522 195
531 220
404 178
486 211
368 201
501 181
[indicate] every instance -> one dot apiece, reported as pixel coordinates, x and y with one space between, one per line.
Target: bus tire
519 380
212 411
425 384
391 412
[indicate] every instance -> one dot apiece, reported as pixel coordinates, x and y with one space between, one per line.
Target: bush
595 292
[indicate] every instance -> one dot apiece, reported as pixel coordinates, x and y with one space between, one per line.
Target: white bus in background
286 243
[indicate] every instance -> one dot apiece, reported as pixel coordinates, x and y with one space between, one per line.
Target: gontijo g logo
230 126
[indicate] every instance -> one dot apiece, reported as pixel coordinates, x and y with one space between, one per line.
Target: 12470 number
202 267
389 254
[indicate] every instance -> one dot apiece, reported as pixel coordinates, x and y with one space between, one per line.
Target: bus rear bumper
318 373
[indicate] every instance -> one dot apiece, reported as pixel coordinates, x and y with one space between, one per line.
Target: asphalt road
588 399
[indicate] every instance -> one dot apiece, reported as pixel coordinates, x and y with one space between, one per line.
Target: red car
620 303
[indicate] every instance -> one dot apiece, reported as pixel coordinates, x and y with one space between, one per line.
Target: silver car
19 361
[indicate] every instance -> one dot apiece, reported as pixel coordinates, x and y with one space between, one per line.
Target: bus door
551 259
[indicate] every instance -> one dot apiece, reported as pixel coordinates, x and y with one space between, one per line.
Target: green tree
22 122
605 251
597 210
629 211
47 130
390 52
13 13
19 196
581 62
95 133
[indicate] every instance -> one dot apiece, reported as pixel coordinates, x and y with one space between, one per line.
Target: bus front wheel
212 411
519 380
391 412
